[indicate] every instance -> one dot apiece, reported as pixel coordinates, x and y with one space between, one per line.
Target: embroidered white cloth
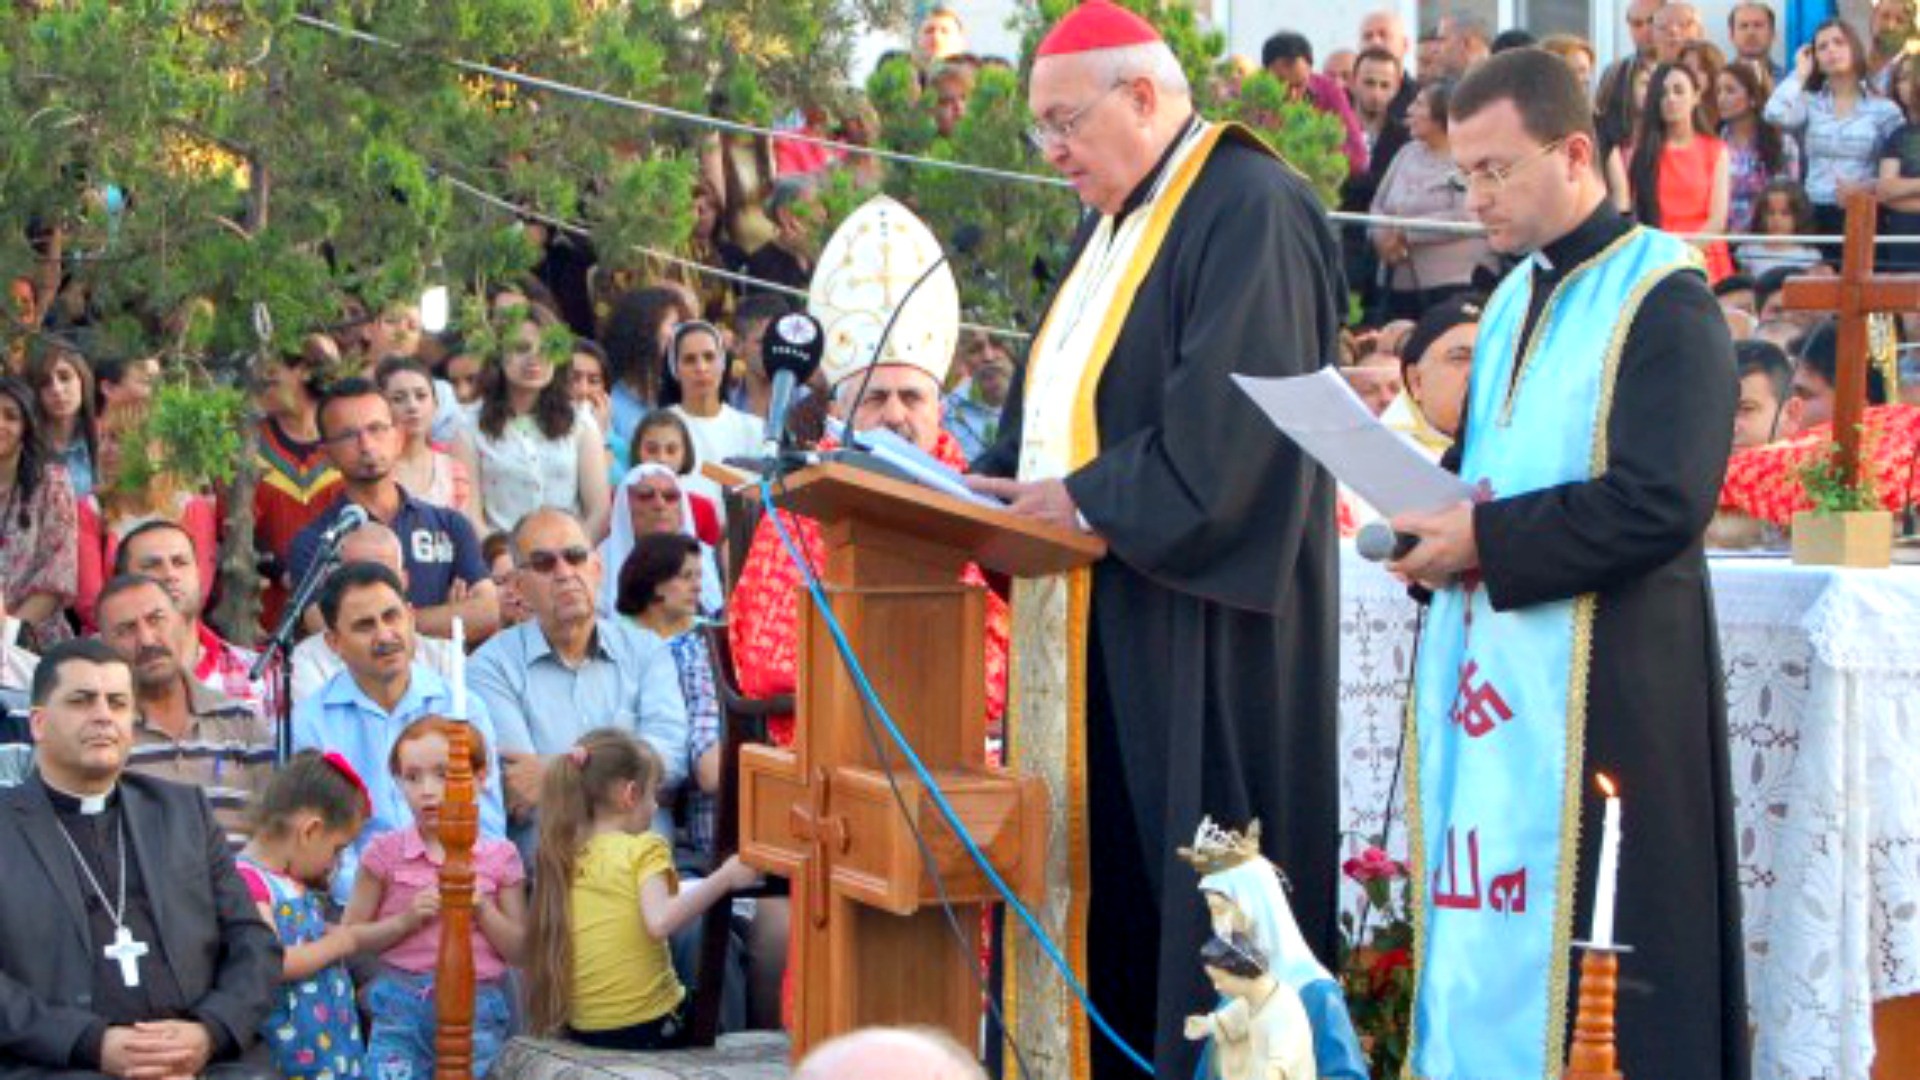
1823 702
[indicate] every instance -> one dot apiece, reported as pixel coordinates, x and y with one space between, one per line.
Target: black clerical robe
1656 700
1211 656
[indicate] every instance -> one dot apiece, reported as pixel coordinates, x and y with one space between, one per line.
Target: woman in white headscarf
649 500
1248 898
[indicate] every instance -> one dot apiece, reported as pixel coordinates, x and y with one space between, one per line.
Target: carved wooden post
453 979
1593 1056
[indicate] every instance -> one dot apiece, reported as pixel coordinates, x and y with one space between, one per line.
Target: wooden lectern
871 943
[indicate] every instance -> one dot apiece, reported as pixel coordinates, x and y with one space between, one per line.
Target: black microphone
965 239
1378 542
791 354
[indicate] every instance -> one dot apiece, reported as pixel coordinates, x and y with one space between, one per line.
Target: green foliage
1830 491
262 160
1021 226
1027 227
193 433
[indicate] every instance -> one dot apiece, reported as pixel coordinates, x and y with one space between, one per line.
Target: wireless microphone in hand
1377 542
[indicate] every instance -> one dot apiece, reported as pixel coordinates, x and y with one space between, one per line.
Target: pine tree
215 178
1023 228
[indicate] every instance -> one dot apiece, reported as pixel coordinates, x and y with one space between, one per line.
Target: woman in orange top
1680 177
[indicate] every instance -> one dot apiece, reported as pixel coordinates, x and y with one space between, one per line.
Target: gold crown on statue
1215 849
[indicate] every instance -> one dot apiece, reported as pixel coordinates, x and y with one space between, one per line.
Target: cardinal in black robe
1211 641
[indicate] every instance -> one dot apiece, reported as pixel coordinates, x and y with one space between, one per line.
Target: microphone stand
280 644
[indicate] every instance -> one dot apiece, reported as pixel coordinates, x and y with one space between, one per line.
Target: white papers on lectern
1329 421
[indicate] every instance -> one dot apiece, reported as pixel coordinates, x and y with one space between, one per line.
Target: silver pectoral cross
126 951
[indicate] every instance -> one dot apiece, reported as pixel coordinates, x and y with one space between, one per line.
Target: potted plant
1847 525
1376 960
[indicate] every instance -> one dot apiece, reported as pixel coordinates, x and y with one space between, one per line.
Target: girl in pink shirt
400 876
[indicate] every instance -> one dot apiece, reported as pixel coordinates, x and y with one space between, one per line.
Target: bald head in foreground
890 1054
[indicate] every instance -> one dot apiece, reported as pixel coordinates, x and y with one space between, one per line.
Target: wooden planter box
1863 539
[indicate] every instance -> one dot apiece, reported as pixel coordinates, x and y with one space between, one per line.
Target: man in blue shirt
446 577
360 711
567 671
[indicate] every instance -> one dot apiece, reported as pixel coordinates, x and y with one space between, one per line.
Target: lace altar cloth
1823 699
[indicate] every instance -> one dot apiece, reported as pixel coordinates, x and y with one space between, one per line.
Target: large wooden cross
871 943
1857 293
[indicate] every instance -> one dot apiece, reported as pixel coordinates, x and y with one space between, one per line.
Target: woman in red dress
1680 176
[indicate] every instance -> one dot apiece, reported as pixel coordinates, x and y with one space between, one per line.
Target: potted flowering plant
1376 959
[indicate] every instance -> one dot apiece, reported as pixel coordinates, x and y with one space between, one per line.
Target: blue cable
947 812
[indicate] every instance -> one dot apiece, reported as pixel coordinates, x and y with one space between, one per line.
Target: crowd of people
1696 141
533 497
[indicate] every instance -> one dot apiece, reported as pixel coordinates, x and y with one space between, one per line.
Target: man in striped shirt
185 731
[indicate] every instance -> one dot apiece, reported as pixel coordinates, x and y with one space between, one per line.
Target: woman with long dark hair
635 337
532 446
1757 153
63 391
1899 185
1829 103
1678 176
39 563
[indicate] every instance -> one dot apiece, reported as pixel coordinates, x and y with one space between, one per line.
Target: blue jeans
400 1047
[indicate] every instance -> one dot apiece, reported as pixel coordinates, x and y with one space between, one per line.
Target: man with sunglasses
446 577
1570 629
567 671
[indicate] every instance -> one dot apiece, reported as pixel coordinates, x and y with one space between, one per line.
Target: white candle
1608 877
459 668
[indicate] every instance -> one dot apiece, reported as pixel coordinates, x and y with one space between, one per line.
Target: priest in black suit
129 946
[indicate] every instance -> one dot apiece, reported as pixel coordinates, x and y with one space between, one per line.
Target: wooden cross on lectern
1857 293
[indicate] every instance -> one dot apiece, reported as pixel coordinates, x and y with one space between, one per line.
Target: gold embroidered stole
1045 725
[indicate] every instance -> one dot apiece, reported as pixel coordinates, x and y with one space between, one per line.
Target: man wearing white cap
869 265
1193 670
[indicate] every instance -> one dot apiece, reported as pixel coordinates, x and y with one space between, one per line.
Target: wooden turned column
1594 1055
453 978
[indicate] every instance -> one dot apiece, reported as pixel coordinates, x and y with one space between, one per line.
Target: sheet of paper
928 470
1328 420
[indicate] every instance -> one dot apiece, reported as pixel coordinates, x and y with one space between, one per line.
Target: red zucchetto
1096 24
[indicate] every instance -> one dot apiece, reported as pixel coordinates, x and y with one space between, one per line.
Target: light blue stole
1500 698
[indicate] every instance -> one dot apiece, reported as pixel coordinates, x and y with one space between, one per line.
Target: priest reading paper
1192 670
1571 629
128 943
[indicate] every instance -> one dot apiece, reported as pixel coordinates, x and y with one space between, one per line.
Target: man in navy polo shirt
445 574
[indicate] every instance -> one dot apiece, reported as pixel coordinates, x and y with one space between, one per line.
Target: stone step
752 1055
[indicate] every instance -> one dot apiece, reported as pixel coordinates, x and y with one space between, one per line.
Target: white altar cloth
1823 700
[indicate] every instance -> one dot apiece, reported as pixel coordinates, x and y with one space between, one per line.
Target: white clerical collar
1541 261
90 805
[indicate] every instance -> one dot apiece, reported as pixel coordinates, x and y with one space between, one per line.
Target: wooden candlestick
1594 1056
453 978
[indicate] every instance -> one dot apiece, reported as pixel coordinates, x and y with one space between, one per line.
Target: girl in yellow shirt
606 900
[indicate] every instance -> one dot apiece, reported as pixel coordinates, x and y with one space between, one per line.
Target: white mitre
874 257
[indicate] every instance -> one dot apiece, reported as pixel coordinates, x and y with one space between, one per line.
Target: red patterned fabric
763 612
1763 482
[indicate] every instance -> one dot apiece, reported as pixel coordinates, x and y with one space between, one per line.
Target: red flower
1373 864
1380 972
